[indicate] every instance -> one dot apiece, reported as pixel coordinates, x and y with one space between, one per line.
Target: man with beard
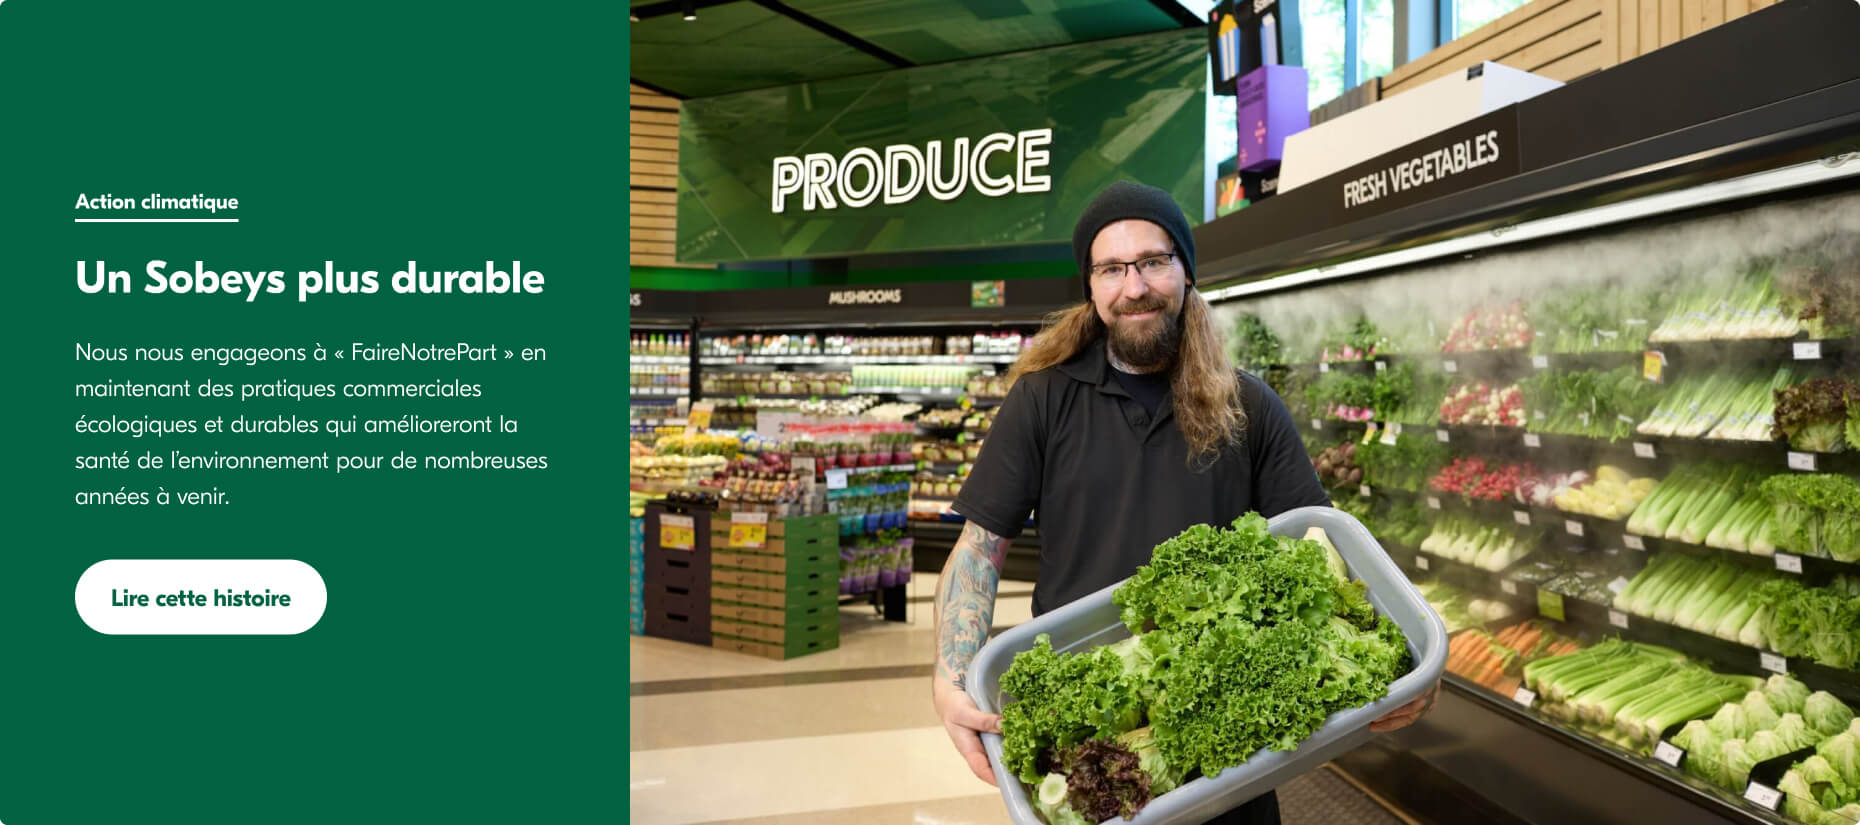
1126 425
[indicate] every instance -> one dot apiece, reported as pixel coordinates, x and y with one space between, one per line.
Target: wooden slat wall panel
653 173
1557 46
1611 29
1649 26
1566 39
1580 64
1452 52
1503 46
1672 12
1630 33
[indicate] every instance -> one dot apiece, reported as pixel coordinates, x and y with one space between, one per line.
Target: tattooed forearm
965 600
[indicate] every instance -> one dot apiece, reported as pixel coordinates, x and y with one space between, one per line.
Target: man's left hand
1406 714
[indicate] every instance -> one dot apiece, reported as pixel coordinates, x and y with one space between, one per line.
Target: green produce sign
1005 150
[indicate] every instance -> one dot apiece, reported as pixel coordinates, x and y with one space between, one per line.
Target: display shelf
656 422
1518 442
1641 765
660 360
1801 350
659 392
1590 532
1602 619
854 360
931 392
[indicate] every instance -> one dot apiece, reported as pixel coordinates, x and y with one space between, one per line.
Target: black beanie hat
1124 200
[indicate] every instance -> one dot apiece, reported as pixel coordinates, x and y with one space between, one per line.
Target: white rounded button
201 597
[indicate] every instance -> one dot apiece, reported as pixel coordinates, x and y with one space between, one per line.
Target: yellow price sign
677 532
1653 365
699 419
749 530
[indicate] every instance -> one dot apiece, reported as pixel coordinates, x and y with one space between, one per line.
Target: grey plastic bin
1092 621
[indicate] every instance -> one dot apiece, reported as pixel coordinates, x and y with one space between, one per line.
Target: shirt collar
1089 366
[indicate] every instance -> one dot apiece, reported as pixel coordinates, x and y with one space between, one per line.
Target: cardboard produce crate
775 595
783 535
795 645
806 597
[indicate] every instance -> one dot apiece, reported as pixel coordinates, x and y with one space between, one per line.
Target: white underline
156 220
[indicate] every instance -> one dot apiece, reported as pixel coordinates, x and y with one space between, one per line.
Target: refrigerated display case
1607 412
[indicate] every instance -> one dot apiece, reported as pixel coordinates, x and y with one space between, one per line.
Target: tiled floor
845 736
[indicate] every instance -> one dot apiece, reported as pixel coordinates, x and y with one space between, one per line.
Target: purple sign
1271 101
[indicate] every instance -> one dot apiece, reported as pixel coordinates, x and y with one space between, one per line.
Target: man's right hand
965 723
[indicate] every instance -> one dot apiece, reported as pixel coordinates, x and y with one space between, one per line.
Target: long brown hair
1202 380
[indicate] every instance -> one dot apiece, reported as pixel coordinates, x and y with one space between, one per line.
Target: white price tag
1363 491
1619 584
1390 433
836 479
1772 662
1442 436
1808 350
1510 587
1324 366
1572 526
1525 696
1423 563
1788 563
1382 366
1802 461
1541 362
1763 795
1533 440
1317 423
1433 503
1633 542
1668 754
1643 450
1450 366
1618 619
1521 517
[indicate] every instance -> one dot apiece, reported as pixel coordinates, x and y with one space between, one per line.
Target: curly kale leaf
1205 574
1062 699
1245 687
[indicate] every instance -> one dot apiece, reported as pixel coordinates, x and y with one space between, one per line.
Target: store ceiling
736 45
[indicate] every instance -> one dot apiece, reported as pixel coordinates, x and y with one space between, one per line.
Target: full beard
1146 345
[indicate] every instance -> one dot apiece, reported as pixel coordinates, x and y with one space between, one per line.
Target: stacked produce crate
773 584
677 571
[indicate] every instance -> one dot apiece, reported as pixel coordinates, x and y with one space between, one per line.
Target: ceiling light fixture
690 10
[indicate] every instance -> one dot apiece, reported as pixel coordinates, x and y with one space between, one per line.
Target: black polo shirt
1110 481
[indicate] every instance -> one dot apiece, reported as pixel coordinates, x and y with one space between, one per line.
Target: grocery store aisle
845 736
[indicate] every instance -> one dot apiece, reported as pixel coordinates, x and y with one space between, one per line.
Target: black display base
1475 759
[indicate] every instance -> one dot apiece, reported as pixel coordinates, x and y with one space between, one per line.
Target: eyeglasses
1151 268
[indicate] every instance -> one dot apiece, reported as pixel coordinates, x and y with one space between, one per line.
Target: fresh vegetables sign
1471 154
